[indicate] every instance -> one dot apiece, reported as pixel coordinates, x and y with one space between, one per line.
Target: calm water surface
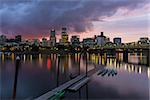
41 73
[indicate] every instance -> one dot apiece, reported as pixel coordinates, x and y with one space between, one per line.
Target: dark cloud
37 16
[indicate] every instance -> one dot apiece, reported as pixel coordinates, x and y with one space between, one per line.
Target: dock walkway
67 84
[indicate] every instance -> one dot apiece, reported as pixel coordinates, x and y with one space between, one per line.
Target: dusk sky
128 19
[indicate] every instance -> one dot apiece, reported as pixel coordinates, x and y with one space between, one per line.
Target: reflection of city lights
65 63
132 68
119 56
110 61
121 66
115 62
93 57
125 67
103 60
24 58
76 57
96 59
148 72
40 60
40 57
48 63
69 62
3 57
140 70
129 57
63 69
140 56
136 70
31 58
87 55
13 56
54 57
105 56
129 69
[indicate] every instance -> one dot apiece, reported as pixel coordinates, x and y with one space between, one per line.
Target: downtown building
88 42
75 42
3 39
144 40
64 37
18 38
117 40
101 40
44 42
36 42
52 39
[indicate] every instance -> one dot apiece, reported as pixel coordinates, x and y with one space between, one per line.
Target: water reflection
69 60
148 72
40 60
48 63
53 69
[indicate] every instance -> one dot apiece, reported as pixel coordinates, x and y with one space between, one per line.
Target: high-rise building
44 42
88 42
101 39
52 39
143 40
36 42
117 40
75 41
18 38
2 39
64 37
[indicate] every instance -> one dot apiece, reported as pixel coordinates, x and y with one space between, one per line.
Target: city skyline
34 19
59 37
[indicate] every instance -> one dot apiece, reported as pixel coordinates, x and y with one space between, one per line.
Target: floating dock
69 83
79 84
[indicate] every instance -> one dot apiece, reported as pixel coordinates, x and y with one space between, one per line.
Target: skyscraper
18 38
101 39
75 40
2 39
52 38
64 37
44 42
117 40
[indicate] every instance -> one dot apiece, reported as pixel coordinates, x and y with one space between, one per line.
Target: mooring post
125 55
58 70
86 65
16 77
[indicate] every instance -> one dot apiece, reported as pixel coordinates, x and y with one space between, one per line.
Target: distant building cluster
95 42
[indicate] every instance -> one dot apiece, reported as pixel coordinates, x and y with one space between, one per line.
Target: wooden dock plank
60 88
66 85
79 84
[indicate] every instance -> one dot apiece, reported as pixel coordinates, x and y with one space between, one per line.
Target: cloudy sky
116 18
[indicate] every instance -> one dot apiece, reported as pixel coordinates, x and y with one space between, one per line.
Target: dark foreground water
41 73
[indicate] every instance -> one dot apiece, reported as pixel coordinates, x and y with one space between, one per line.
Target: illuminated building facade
75 41
143 40
117 40
64 37
88 42
18 38
101 39
52 38
2 39
44 42
36 42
